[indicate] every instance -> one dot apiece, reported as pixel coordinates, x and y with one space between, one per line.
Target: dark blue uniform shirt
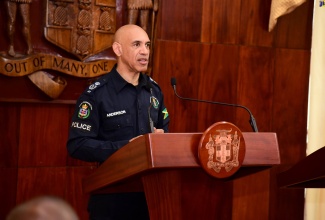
110 112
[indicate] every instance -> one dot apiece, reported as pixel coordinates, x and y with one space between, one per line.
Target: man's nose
144 49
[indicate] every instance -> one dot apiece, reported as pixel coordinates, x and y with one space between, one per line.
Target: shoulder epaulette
154 83
151 79
97 84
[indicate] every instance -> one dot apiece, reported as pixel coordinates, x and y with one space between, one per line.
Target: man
43 207
113 111
23 6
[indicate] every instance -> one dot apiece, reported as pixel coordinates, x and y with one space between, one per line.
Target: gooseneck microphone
151 126
251 120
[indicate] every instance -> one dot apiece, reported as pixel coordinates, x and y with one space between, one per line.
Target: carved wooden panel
63 39
48 58
83 28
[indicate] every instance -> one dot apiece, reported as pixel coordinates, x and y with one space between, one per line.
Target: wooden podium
307 173
167 169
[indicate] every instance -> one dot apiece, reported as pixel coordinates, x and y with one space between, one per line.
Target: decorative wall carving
15 7
82 28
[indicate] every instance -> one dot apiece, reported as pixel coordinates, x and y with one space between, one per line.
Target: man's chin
143 68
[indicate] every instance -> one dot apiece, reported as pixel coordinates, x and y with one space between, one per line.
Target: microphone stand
252 121
151 124
150 119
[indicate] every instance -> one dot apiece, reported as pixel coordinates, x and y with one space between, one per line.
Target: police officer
114 110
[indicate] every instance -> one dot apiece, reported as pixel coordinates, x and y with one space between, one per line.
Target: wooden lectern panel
188 194
172 151
166 167
307 173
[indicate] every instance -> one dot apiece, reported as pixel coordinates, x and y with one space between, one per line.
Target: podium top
173 151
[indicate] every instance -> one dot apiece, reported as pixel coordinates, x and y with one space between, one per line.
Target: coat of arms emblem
81 27
222 149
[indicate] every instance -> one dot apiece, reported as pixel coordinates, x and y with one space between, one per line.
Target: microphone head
173 81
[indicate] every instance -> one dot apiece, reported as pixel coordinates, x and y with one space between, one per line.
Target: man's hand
158 130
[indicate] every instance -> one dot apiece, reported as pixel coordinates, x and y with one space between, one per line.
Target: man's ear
117 49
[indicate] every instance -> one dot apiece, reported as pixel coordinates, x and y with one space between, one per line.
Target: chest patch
154 101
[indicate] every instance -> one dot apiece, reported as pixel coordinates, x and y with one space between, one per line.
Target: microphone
251 120
151 126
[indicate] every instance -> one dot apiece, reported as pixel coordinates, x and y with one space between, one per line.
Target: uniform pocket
117 122
118 127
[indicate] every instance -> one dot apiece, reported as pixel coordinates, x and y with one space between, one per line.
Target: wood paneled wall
217 50
222 51
34 159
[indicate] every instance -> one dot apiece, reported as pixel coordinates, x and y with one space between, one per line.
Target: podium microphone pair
251 120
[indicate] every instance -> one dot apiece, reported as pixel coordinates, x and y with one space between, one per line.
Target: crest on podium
221 150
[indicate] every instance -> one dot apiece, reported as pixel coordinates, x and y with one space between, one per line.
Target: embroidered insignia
84 110
94 85
165 112
154 101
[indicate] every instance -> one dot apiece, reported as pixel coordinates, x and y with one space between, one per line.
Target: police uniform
108 114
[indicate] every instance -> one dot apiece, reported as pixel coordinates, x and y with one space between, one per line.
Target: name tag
116 113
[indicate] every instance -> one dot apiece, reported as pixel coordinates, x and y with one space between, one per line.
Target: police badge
221 150
84 110
81 27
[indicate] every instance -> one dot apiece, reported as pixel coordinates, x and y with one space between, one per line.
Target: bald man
43 208
117 108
